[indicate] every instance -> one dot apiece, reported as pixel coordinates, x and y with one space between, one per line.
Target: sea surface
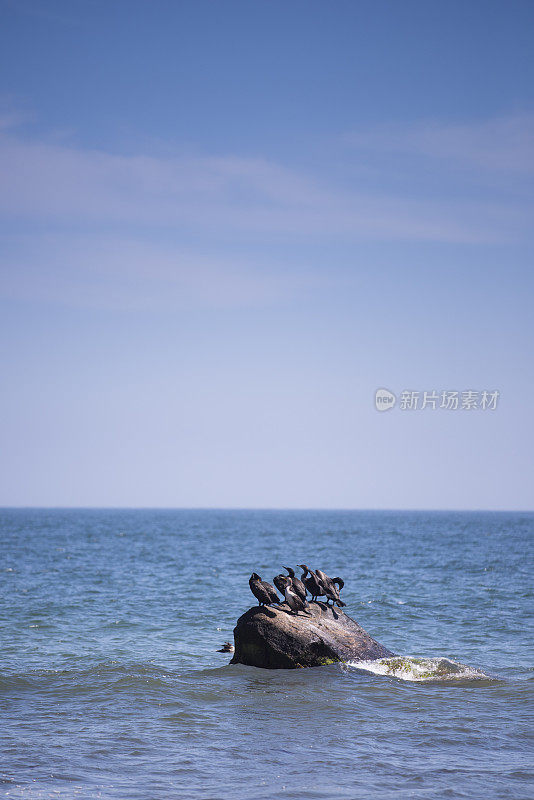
111 685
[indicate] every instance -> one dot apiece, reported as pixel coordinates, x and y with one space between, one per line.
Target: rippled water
111 686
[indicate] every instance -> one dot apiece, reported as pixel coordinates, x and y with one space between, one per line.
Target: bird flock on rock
295 590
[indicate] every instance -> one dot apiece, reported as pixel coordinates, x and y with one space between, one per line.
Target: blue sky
224 225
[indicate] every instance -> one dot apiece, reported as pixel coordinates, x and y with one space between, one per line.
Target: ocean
111 685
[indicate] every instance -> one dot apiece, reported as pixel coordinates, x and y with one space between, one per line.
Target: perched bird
330 589
294 602
280 583
296 584
262 591
323 577
333 595
311 582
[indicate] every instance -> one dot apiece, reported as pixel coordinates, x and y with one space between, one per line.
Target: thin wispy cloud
103 230
505 144
65 185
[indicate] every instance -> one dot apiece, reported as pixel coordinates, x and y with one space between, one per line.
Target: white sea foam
407 668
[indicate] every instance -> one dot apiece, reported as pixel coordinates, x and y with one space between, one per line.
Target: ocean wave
422 670
111 674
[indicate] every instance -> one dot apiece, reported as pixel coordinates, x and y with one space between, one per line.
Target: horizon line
258 508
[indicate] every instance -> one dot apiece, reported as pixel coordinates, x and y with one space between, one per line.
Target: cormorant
296 584
280 583
312 582
262 591
331 590
294 602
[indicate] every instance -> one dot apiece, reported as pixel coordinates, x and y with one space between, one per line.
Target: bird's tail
340 603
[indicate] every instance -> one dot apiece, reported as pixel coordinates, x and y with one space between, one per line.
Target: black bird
311 582
296 584
280 583
330 588
262 591
294 602
340 582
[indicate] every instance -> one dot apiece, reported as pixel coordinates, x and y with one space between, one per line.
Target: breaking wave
421 670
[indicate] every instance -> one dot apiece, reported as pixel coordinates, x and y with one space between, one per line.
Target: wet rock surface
273 638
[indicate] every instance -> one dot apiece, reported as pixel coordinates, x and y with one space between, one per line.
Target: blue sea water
111 685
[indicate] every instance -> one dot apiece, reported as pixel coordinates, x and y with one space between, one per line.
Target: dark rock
273 638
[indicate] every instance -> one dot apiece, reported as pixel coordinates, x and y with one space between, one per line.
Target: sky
225 225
